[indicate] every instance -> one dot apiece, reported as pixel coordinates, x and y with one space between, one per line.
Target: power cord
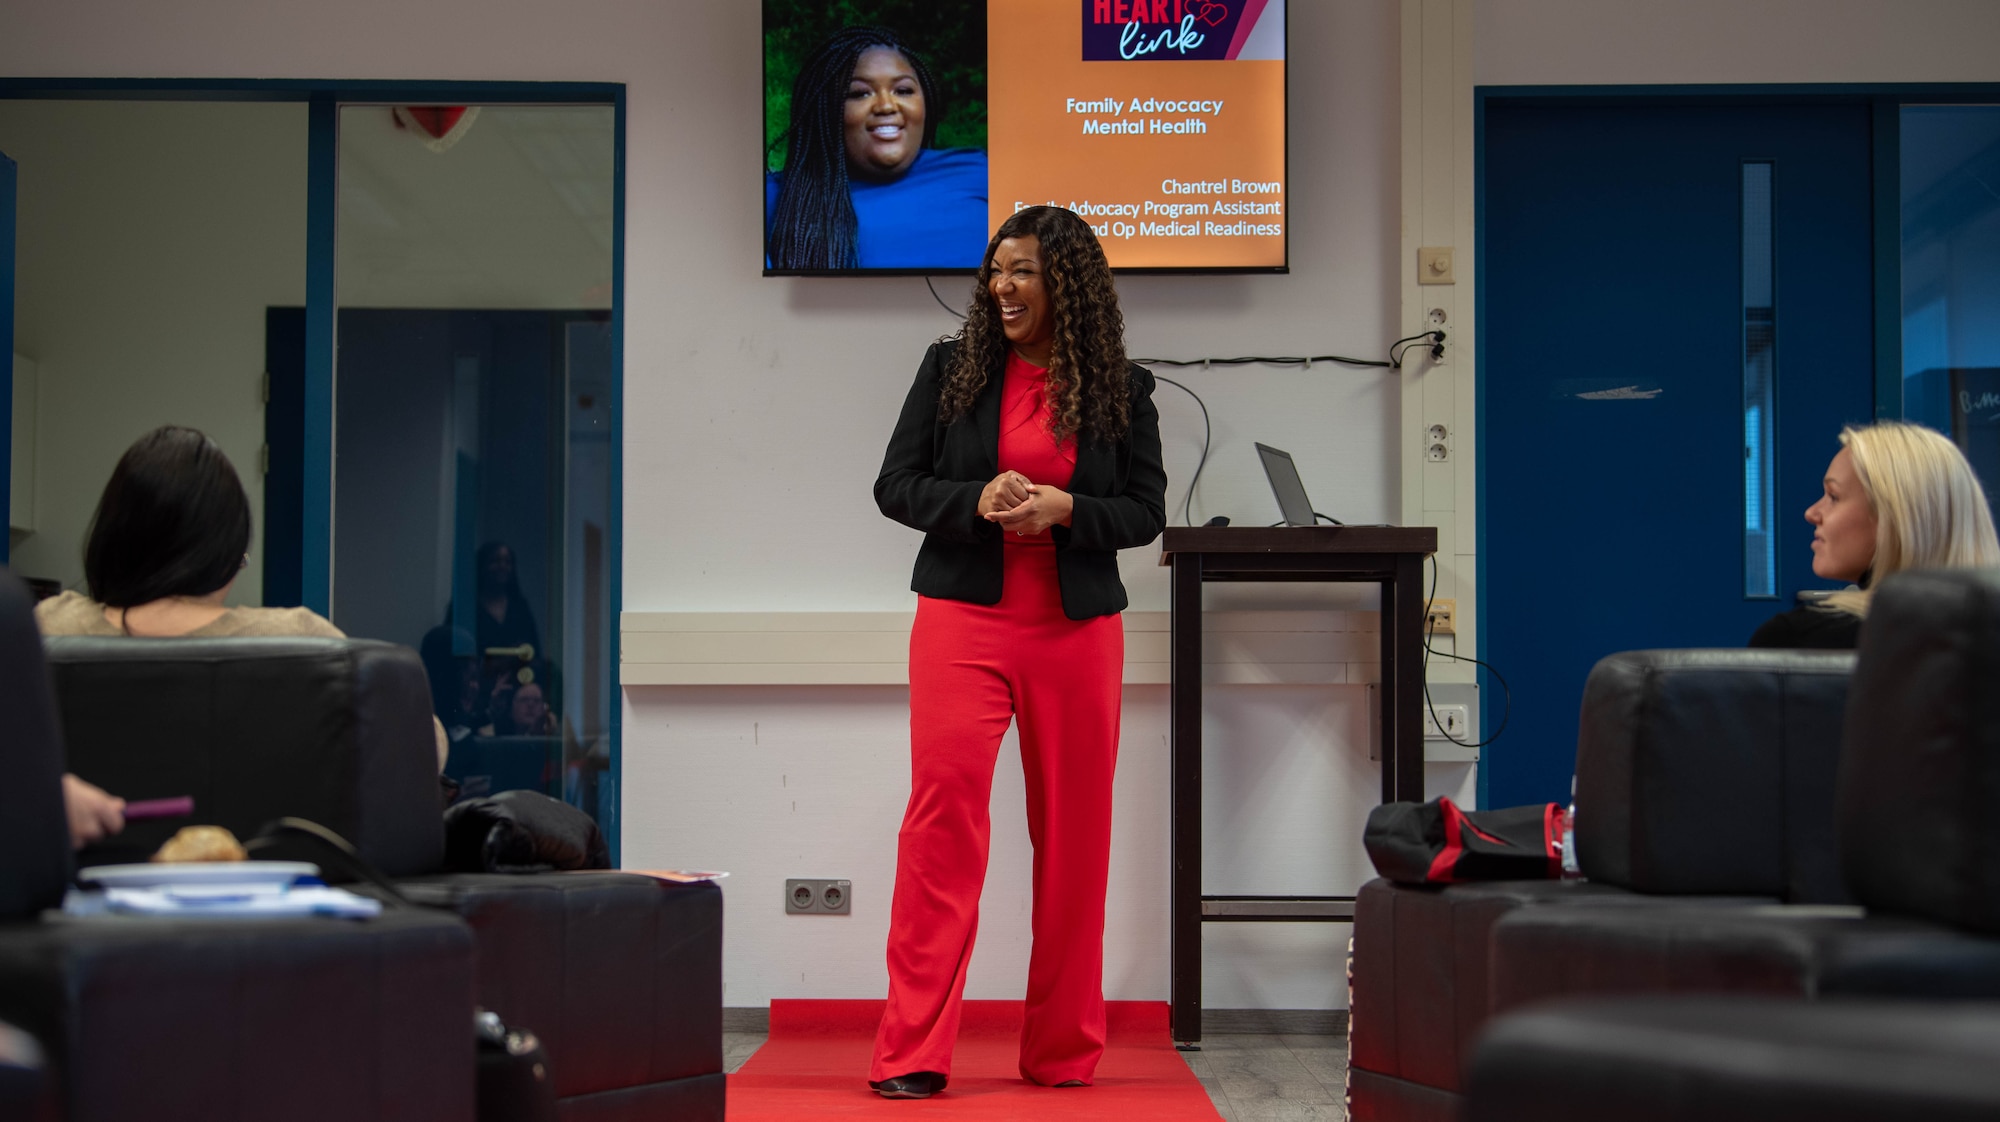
1506 694
1187 504
1393 362
940 299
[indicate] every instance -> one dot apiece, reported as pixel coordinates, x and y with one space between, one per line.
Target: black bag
1437 843
513 1074
521 832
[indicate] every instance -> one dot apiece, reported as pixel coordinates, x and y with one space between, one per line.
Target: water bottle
1569 865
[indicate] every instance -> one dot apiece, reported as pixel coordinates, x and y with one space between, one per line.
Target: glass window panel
473 425
152 237
1760 361
1951 277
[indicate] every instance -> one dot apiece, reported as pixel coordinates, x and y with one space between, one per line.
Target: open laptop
1285 484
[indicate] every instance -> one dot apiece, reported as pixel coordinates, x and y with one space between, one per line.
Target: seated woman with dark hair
1896 496
170 534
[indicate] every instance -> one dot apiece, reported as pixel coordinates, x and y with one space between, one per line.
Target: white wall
152 236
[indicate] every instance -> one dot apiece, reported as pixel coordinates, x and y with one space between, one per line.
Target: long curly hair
812 222
1089 383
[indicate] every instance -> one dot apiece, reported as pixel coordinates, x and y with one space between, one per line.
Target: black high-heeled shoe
915 1085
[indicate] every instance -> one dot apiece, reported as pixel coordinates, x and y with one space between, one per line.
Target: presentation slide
1160 121
900 133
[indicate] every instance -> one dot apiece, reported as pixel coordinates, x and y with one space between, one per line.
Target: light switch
1434 265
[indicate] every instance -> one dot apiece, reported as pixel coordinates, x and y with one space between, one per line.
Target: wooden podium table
1392 556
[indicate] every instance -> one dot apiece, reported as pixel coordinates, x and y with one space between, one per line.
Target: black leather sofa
320 1020
1704 777
1903 1019
1739 1059
620 975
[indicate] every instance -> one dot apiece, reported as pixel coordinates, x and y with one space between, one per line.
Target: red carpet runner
815 1065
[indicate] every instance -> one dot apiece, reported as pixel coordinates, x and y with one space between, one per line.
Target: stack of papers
246 889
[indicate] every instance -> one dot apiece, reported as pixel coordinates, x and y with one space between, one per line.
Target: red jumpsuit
972 668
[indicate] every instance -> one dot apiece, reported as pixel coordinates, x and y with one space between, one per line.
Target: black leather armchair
1919 774
620 975
1704 777
312 1019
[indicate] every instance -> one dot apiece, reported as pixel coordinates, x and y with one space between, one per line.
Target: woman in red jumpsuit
1028 452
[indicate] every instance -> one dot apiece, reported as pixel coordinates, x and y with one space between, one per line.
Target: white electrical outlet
1452 721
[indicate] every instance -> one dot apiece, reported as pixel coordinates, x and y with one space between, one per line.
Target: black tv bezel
1285 30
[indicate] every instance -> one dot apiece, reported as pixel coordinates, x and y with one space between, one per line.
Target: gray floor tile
1276 1065
1242 1090
1325 1067
1254 1077
1280 1110
738 1047
1239 1041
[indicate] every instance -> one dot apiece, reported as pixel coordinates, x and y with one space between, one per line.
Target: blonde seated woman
1896 496
170 534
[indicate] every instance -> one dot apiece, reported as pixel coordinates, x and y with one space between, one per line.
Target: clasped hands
1021 507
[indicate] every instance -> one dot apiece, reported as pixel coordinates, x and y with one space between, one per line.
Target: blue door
1677 302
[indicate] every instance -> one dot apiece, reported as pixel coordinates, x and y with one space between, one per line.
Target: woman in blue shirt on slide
862 186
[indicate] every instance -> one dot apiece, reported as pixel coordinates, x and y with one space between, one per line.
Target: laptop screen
1284 477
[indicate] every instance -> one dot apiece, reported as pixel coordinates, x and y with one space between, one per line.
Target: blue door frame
1885 101
323 100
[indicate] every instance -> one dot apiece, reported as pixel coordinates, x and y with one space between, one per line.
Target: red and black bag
1437 843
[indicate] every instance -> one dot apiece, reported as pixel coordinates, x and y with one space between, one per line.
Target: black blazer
933 473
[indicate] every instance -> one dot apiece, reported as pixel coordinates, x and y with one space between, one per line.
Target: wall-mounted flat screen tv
900 133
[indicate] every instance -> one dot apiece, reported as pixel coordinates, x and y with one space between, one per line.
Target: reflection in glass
473 427
1951 277
1760 380
150 238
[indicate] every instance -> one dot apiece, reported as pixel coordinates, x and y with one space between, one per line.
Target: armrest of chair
334 730
1712 771
1921 770
34 829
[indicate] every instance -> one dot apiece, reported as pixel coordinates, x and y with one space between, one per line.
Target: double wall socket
818 896
1438 441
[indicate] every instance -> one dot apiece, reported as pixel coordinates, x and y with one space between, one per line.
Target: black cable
1187 505
1272 360
1394 361
940 299
1434 337
1329 518
1506 694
